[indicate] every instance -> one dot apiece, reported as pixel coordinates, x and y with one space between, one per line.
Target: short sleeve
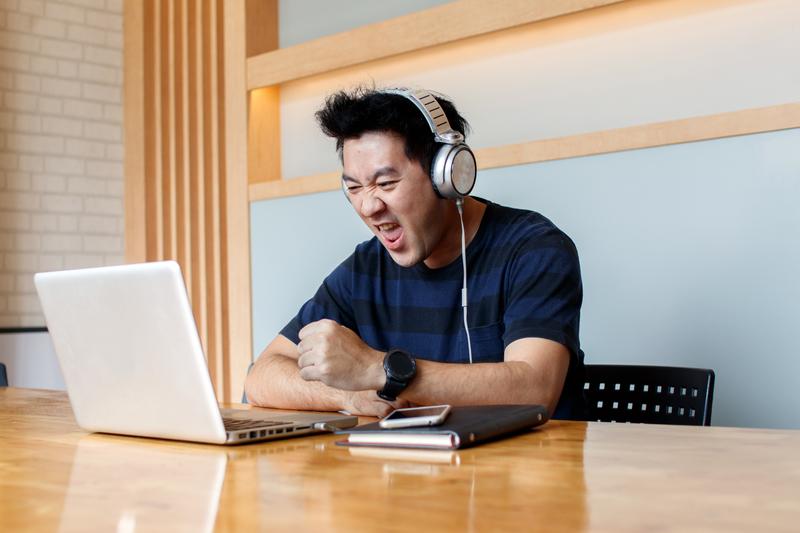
544 292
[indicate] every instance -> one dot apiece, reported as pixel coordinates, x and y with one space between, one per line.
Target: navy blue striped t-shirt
523 280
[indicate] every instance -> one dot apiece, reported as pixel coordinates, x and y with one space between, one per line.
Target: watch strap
391 389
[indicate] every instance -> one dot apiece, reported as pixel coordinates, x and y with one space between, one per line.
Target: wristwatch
400 368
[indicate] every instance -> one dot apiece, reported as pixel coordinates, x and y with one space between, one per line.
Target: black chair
649 394
3 376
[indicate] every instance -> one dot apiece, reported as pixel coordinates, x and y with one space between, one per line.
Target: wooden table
566 476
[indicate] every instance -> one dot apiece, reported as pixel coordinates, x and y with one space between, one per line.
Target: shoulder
523 229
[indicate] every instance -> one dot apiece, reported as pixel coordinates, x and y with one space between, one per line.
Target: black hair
348 115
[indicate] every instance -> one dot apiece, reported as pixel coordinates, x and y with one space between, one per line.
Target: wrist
399 367
377 373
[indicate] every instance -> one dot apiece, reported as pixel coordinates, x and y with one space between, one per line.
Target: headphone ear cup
453 171
438 178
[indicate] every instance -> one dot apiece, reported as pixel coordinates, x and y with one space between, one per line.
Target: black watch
400 367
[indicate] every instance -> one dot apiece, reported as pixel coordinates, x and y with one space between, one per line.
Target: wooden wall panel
186 157
434 26
136 121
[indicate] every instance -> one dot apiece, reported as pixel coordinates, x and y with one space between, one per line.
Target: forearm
275 382
479 384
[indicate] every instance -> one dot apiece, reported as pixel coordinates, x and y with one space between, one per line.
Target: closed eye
387 184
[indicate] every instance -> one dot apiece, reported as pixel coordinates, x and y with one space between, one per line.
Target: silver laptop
132 361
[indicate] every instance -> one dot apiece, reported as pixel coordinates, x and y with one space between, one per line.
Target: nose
370 205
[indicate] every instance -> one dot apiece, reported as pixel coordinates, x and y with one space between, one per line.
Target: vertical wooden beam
237 222
165 143
212 208
155 157
186 165
135 178
171 133
196 167
180 125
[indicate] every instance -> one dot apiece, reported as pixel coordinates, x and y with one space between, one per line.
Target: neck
449 248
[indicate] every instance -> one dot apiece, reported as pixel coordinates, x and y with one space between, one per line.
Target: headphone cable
460 207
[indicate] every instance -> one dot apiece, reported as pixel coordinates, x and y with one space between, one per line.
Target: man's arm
275 381
533 371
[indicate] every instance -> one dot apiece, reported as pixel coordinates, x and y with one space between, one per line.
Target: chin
405 260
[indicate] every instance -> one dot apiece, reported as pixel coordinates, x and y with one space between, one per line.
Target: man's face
393 196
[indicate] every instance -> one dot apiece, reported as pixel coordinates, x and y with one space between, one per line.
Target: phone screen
416 412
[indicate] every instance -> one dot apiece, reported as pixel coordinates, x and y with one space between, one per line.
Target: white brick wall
60 144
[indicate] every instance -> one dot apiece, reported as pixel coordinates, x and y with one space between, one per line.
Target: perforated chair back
3 376
649 394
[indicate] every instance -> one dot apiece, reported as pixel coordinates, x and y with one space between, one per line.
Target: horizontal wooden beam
294 187
693 129
644 136
431 27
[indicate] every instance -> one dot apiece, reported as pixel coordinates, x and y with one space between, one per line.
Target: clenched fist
336 356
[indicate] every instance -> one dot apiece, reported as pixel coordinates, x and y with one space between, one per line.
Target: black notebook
465 426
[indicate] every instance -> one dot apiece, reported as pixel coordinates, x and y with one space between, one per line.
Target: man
386 329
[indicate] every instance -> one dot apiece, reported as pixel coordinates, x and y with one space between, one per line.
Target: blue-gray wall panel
689 254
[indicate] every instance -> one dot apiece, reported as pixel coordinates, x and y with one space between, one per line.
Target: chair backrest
649 394
3 376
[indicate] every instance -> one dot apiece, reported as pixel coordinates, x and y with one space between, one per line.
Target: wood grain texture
135 167
236 236
263 110
565 476
693 129
438 25
186 164
261 21
717 126
264 135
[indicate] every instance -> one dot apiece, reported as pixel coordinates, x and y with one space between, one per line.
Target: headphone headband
433 113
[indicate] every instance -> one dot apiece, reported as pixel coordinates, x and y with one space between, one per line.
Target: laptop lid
128 349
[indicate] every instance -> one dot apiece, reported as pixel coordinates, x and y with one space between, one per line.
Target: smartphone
416 416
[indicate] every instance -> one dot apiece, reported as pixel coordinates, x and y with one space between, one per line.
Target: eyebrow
383 171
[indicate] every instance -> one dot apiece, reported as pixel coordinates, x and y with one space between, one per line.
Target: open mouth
391 234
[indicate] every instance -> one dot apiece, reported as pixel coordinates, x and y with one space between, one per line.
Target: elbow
255 389
543 388
251 391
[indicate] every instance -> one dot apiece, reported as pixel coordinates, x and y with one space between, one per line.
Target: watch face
401 365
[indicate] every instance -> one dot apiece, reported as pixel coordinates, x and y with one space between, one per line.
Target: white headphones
453 168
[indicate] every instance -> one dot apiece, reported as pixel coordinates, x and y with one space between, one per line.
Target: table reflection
313 483
126 485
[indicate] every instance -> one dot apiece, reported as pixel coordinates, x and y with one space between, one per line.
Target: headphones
453 168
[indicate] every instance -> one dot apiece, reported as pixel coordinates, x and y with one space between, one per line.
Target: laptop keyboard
236 423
